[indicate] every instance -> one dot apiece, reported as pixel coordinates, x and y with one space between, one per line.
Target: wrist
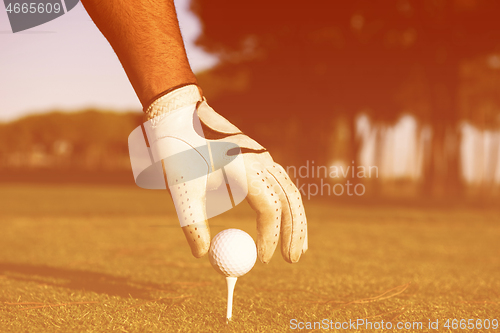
173 99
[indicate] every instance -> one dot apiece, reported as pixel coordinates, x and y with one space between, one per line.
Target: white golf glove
209 166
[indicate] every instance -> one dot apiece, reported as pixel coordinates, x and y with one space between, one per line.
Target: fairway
100 259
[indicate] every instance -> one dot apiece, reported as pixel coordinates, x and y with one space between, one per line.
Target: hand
210 166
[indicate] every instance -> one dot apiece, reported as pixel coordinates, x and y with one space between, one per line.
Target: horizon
66 64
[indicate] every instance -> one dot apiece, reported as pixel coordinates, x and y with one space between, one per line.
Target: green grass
100 259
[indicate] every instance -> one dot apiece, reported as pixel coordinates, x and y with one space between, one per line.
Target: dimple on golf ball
232 252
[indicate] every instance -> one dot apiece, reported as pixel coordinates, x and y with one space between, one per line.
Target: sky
67 64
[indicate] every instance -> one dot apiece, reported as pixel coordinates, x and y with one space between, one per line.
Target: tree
320 60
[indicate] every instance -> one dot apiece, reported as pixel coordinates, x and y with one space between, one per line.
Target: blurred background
407 88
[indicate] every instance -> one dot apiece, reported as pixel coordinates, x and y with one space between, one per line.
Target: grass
100 259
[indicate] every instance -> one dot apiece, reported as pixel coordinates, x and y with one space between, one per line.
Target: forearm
145 36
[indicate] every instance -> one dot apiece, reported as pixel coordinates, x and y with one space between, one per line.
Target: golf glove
209 166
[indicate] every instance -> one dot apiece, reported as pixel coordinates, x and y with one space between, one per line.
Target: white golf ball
233 252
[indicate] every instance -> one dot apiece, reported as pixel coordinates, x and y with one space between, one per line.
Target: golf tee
230 281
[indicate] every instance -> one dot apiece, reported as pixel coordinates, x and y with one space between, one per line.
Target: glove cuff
174 99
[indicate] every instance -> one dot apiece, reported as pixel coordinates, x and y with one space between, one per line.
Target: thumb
198 238
189 201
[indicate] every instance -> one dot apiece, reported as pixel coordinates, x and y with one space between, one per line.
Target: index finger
293 218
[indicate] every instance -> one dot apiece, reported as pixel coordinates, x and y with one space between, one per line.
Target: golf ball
232 252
